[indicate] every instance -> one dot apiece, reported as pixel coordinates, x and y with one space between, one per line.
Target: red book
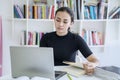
93 38
52 12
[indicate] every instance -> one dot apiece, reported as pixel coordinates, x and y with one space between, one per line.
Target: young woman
66 44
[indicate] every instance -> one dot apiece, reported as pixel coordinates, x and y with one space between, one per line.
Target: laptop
33 61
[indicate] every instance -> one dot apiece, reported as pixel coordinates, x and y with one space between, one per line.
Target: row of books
90 12
41 12
75 5
92 37
34 12
67 3
95 11
31 38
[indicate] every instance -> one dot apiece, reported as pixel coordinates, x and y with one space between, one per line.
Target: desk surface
65 77
82 77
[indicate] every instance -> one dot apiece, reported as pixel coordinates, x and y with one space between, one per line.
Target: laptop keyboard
59 74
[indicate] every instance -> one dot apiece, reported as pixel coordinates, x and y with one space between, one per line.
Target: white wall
5 12
112 54
110 57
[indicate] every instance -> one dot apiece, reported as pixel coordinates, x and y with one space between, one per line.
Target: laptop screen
32 61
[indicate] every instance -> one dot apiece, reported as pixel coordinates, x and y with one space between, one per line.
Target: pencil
70 78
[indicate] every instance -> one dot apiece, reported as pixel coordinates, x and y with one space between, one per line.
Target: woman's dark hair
68 10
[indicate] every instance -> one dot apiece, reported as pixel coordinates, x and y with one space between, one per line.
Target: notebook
32 61
114 69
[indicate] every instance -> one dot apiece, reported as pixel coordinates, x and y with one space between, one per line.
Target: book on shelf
31 38
85 35
1 46
115 11
23 38
25 10
41 12
78 8
102 10
40 1
52 12
75 10
30 12
95 9
18 13
91 2
92 12
75 5
92 37
90 9
35 12
86 13
65 3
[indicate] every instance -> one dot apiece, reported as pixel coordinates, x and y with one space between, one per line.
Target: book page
78 64
39 78
33 78
22 78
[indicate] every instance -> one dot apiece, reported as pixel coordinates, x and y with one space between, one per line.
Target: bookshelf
90 15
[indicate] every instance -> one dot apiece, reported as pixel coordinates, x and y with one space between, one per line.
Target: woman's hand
91 64
89 67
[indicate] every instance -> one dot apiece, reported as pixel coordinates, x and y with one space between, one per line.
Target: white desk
62 78
82 77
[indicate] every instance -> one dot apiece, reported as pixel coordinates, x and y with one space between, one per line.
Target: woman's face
62 23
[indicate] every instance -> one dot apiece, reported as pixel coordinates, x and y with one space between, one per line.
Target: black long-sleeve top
65 47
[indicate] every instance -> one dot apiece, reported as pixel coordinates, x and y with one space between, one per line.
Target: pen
70 78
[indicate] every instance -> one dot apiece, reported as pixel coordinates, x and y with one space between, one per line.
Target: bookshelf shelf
109 28
16 19
44 20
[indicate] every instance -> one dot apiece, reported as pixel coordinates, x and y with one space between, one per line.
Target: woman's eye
65 22
58 20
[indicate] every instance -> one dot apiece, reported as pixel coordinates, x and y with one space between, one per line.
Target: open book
33 78
75 69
